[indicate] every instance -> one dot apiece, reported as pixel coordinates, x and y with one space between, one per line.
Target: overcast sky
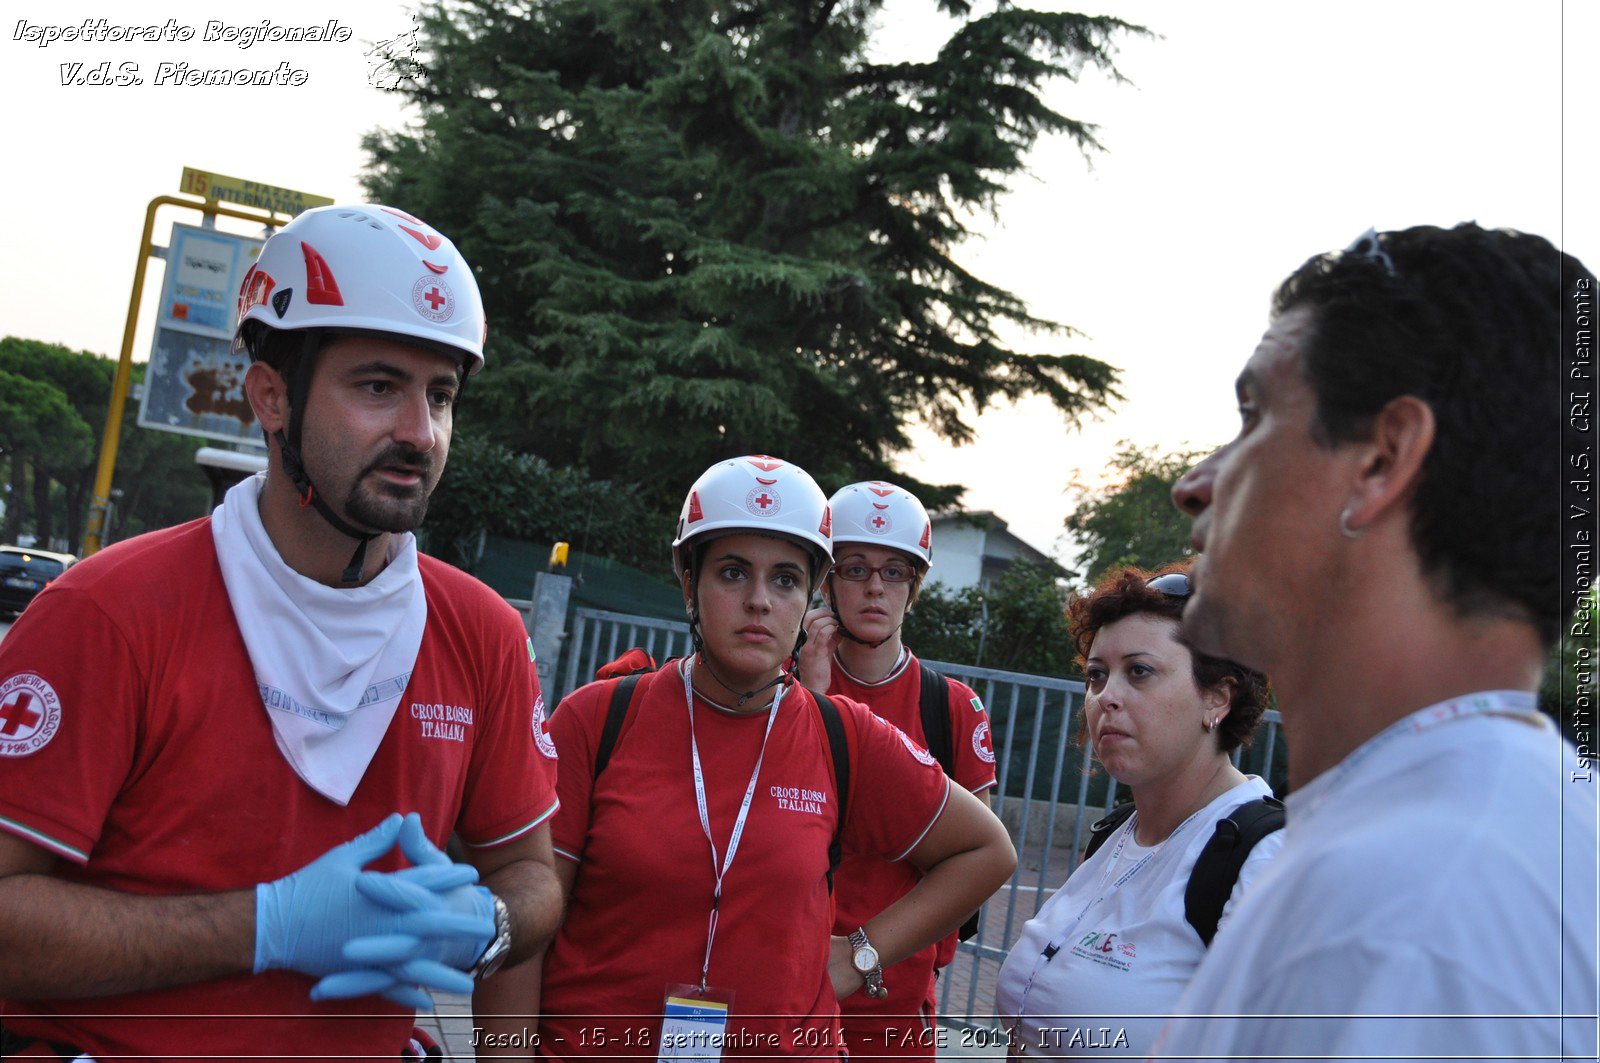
1253 135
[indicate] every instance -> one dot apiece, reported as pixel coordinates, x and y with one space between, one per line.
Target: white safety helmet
760 494
881 514
371 269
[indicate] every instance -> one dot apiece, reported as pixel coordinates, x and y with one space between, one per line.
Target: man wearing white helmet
211 730
883 548
699 837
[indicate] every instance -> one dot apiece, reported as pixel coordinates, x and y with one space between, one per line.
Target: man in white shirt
1386 537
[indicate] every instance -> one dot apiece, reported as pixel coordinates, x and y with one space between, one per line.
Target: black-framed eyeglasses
860 572
1172 585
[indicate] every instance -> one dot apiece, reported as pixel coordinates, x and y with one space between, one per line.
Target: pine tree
712 227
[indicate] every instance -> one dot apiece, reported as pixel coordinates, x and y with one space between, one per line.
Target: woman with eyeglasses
696 858
1109 954
883 548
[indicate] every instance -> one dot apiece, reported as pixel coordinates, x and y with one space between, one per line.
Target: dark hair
1472 322
1124 592
282 349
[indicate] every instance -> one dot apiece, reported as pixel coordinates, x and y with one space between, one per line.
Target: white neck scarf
331 663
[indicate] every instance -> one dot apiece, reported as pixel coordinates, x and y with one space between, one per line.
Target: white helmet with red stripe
370 269
881 514
760 494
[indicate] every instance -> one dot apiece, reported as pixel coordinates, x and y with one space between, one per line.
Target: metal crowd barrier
1043 794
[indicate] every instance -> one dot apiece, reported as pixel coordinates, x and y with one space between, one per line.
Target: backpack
934 705
1216 871
622 697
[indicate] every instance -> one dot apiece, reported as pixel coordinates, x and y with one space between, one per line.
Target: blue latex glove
422 948
304 920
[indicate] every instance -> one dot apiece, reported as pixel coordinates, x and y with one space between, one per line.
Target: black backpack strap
12 1044
1216 871
833 724
621 696
934 703
1103 828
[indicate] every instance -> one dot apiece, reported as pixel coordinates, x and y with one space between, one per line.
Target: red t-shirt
866 886
637 918
142 754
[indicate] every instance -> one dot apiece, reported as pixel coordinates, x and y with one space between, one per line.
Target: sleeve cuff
519 832
945 800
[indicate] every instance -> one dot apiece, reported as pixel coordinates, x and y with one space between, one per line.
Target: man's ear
1402 435
268 394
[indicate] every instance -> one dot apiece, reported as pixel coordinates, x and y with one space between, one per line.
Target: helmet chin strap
792 671
295 467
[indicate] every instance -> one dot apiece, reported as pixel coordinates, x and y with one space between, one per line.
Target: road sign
221 187
194 384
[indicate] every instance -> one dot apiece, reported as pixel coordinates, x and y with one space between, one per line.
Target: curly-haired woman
1096 971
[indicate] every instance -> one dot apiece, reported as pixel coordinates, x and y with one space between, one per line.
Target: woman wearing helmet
883 548
696 863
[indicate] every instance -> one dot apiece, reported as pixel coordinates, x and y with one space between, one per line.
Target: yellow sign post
214 187
222 188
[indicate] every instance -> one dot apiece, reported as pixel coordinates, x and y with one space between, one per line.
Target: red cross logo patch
30 714
981 744
922 755
433 299
763 502
879 524
541 730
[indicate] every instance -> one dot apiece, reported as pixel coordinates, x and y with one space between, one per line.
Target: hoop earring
1210 725
1346 530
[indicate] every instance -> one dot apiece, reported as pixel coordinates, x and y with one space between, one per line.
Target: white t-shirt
1444 872
1123 950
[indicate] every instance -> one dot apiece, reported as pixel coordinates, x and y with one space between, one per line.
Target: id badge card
694 1024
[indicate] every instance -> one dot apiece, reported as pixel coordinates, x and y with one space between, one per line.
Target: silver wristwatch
499 945
864 958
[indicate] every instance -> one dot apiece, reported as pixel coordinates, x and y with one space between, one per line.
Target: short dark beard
371 509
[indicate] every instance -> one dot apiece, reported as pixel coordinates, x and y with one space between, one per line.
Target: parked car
24 572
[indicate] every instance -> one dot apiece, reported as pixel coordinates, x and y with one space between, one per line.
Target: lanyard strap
1516 704
718 870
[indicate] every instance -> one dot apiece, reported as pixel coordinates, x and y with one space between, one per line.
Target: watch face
865 958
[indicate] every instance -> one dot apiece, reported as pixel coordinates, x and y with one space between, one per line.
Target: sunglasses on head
1172 585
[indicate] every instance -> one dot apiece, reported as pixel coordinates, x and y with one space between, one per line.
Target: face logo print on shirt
30 714
541 730
981 744
1109 949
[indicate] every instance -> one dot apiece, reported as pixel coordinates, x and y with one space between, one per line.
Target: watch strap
874 978
499 947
